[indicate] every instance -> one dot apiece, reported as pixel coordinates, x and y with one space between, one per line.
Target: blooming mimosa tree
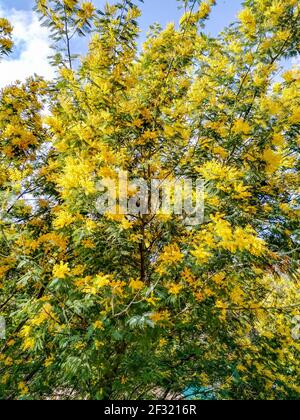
120 306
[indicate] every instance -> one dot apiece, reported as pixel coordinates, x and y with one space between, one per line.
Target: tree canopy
134 307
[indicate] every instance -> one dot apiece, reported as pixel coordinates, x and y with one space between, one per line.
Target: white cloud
33 42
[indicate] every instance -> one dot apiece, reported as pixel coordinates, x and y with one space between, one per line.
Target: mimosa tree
121 306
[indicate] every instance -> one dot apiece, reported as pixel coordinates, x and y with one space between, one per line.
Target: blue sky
165 11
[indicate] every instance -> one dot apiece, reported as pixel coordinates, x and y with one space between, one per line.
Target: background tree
65 19
5 36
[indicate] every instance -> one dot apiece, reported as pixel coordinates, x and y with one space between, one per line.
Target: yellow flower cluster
248 21
77 174
86 11
174 288
5 32
70 3
63 219
93 285
188 276
229 180
45 313
160 317
170 256
241 127
202 254
53 239
238 239
136 285
204 10
220 234
98 325
61 271
23 388
273 160
214 170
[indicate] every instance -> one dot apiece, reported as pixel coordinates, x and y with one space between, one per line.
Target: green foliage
121 306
